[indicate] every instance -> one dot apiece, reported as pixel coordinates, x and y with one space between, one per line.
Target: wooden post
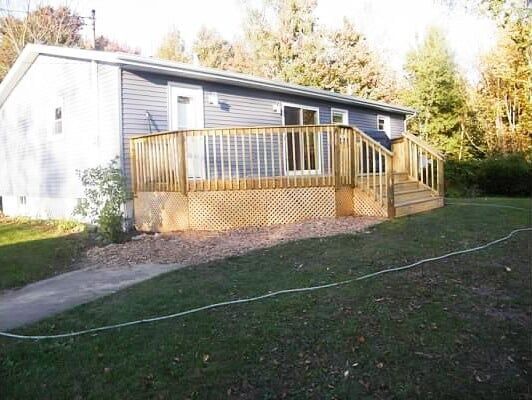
133 166
389 187
399 155
181 146
336 149
354 160
441 185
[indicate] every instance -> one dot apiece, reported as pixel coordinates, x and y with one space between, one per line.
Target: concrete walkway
62 292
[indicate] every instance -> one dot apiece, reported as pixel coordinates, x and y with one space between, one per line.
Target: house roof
140 63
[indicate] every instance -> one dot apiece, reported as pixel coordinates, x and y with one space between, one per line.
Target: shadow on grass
31 259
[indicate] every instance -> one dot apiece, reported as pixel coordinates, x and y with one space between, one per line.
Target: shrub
509 175
105 195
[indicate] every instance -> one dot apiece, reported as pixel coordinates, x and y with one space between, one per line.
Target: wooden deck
232 177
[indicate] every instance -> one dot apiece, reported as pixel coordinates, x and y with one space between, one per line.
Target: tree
105 44
46 25
435 91
501 11
282 37
173 47
354 69
504 97
212 50
286 42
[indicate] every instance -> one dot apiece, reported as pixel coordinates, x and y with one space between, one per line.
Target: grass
31 250
454 329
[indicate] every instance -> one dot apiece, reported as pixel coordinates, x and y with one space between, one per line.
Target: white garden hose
272 294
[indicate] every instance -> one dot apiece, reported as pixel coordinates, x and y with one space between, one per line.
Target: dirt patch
193 247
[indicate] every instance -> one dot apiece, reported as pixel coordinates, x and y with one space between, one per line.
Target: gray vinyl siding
146 93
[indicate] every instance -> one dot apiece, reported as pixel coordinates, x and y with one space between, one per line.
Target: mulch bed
196 247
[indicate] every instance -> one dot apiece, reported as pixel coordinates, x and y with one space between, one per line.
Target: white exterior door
186 112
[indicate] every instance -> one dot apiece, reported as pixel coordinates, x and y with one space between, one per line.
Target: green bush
105 195
503 175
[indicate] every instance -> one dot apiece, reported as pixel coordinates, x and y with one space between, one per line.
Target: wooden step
401 196
417 206
400 177
406 185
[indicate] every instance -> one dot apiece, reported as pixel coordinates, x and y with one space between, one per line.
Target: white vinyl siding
40 163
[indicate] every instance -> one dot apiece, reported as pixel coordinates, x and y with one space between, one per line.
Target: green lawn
455 329
31 250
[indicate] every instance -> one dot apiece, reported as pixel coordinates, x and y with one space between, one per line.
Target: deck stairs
411 196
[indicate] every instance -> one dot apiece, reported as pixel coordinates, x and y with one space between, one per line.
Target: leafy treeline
490 118
58 26
283 40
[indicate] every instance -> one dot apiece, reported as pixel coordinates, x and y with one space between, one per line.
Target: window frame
342 111
318 142
387 124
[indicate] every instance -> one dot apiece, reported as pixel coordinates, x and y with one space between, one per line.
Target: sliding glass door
302 147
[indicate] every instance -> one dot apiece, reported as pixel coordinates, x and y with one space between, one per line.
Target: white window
383 124
58 118
339 116
22 200
302 148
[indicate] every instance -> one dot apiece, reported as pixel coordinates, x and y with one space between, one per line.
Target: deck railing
373 169
421 161
268 157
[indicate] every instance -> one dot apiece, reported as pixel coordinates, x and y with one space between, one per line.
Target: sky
392 27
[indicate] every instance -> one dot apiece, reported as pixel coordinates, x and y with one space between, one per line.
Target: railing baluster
281 157
380 177
237 161
244 157
258 158
374 172
367 165
294 183
222 158
329 155
311 169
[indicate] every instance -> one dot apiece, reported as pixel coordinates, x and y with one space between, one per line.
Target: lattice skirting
222 210
161 211
364 204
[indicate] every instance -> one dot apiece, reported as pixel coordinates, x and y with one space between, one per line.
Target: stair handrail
417 151
371 140
373 170
426 146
